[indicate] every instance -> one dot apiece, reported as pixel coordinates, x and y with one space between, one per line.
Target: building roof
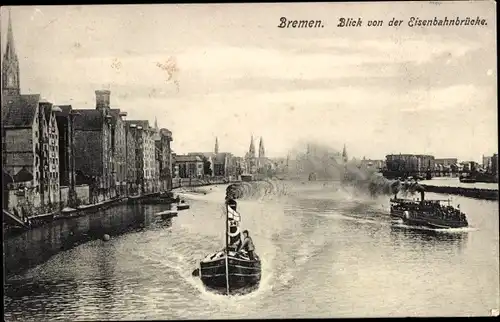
165 131
221 157
143 123
115 115
88 119
19 111
205 154
65 110
23 176
47 109
187 158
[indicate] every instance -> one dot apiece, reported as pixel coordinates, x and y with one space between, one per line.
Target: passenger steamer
436 214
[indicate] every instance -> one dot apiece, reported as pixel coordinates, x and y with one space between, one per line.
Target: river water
326 252
455 182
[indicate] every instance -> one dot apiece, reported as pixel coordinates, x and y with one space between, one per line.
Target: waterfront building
221 164
164 160
445 166
49 134
157 142
29 157
494 164
93 149
469 166
133 160
487 163
175 167
208 159
412 163
239 166
119 151
446 162
145 156
65 119
188 166
372 164
30 141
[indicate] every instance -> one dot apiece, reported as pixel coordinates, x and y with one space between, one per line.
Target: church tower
216 149
10 66
344 155
262 152
251 150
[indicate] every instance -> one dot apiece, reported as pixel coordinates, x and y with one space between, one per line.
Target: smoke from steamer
327 164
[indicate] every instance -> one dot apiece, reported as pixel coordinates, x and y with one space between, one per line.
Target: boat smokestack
231 203
421 190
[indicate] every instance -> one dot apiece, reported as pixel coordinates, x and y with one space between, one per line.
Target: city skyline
286 85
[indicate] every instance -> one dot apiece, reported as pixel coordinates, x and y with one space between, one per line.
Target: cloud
237 76
345 114
447 99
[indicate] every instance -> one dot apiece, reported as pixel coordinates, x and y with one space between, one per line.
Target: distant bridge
393 174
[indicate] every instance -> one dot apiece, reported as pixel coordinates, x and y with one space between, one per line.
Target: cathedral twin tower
251 151
252 162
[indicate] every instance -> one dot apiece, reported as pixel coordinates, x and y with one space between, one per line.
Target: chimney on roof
102 99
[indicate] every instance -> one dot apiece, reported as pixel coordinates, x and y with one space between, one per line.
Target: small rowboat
182 206
167 213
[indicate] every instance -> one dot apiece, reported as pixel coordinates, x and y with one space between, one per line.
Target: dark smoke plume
327 163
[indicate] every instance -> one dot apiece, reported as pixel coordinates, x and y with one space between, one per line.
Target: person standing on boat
248 245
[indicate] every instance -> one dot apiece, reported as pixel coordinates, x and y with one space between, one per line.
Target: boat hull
415 220
243 274
182 206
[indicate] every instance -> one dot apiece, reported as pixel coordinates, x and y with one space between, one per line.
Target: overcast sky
379 90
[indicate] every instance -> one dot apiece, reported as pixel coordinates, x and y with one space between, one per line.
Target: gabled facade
49 134
133 161
30 138
20 138
145 154
30 148
65 124
119 150
94 153
164 160
189 166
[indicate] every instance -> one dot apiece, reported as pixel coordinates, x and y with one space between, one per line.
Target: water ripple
325 253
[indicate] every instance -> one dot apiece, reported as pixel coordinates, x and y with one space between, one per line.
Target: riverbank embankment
476 193
38 220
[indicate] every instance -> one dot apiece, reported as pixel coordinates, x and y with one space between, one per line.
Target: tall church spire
216 149
262 152
251 150
10 66
344 154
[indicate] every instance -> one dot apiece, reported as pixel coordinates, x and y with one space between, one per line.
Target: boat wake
273 221
441 230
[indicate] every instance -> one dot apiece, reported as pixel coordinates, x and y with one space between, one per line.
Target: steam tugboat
427 213
229 271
